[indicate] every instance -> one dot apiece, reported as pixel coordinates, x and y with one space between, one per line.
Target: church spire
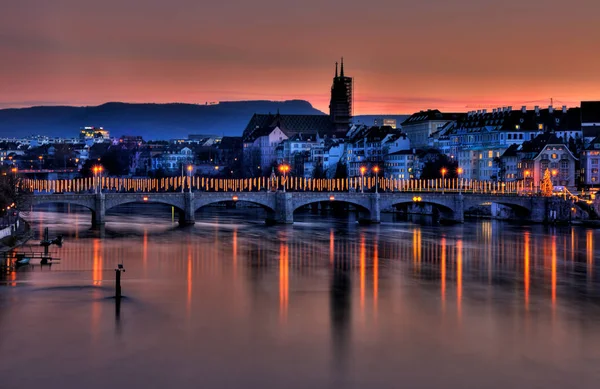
336 73
342 68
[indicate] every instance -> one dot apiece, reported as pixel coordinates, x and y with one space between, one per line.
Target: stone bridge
280 206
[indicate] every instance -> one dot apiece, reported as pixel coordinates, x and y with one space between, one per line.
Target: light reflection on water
323 303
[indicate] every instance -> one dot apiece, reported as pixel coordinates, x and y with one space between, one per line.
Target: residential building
172 158
590 120
368 145
260 149
419 126
400 164
478 139
590 164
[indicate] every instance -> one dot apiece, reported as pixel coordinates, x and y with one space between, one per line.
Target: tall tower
340 105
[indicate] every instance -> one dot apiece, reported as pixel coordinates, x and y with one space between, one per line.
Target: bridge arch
518 209
57 199
363 204
440 209
266 202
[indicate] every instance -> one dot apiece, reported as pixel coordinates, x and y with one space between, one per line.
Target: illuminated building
96 134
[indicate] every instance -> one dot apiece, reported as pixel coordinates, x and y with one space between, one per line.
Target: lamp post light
527 173
284 168
459 171
444 171
97 170
376 170
189 169
362 179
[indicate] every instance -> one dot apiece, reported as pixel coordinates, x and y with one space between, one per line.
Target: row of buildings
500 144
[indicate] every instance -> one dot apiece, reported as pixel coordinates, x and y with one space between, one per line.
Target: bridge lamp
415 199
284 168
376 170
363 169
444 171
145 198
235 198
419 198
459 171
331 198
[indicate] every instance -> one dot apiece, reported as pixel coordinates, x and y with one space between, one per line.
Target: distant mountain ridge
151 121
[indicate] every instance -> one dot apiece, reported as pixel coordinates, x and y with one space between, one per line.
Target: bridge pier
188 217
374 214
284 209
99 211
457 215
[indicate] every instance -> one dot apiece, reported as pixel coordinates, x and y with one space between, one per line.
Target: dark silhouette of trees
432 169
340 170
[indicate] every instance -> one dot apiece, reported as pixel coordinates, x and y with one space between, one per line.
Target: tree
546 184
318 171
340 170
432 169
501 166
10 192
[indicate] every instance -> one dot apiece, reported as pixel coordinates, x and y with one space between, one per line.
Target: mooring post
118 271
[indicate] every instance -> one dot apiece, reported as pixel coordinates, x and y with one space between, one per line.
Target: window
540 126
554 156
490 154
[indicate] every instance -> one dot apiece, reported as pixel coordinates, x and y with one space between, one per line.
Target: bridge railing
290 183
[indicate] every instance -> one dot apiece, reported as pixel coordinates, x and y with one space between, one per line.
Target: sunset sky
405 55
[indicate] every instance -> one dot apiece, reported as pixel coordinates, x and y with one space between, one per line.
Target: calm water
324 303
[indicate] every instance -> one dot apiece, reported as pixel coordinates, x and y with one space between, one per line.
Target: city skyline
404 57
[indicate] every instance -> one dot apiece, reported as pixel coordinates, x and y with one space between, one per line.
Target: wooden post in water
118 271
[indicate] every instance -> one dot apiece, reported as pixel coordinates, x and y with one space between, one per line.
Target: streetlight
376 170
363 169
284 169
554 174
444 171
459 171
189 169
97 169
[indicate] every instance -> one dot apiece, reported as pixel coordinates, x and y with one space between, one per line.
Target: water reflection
334 295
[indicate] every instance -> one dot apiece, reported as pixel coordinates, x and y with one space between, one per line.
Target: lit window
540 126
554 156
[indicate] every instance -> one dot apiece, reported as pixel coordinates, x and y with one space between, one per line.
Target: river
323 303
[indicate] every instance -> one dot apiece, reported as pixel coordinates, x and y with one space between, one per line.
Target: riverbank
21 236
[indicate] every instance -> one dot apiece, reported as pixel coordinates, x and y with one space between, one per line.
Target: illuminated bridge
280 198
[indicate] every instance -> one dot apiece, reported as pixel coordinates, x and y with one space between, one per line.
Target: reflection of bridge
280 206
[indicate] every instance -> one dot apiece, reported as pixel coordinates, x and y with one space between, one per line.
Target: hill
152 121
